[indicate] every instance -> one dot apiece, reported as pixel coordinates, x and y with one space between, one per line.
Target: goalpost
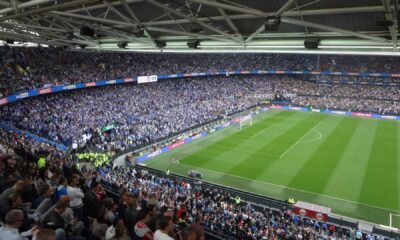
246 120
394 221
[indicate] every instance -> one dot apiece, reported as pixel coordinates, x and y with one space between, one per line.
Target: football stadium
199 119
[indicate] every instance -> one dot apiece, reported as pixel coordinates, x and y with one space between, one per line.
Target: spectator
13 219
142 231
91 202
164 227
198 228
46 234
120 232
76 195
45 191
131 215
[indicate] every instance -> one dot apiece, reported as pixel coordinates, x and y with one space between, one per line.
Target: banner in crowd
108 127
147 79
154 78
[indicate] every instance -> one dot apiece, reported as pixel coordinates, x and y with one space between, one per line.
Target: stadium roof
352 26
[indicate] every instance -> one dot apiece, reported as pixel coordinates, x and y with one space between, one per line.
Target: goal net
246 120
394 220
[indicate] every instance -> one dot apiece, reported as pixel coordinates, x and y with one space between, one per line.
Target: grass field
349 164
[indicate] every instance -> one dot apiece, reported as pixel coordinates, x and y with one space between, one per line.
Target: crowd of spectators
58 201
143 113
14 144
38 67
218 211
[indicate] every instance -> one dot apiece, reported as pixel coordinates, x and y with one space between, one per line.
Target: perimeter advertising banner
312 210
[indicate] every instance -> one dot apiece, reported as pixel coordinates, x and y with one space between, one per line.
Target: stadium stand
139 203
24 68
149 195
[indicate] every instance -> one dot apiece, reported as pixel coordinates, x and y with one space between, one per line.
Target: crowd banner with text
147 79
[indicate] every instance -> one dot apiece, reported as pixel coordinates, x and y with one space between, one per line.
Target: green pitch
349 164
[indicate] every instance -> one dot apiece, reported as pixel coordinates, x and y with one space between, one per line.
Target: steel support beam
24 5
102 29
29 38
261 14
278 13
285 7
4 3
249 15
332 29
47 9
134 17
254 34
9 25
230 22
391 15
99 6
95 19
229 7
160 5
291 21
157 29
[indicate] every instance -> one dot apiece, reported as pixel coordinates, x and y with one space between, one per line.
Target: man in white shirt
165 225
76 195
14 220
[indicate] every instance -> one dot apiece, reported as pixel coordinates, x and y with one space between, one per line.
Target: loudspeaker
272 23
193 44
160 44
311 43
122 44
85 31
139 32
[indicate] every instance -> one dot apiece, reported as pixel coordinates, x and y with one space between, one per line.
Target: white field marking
297 142
244 150
265 129
315 139
294 189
